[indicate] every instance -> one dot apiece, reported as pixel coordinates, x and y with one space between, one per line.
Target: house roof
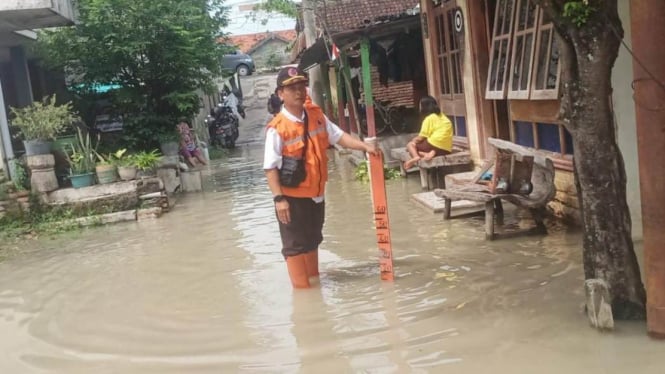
250 42
345 15
265 41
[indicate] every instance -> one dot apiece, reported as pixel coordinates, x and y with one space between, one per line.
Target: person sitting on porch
188 147
435 137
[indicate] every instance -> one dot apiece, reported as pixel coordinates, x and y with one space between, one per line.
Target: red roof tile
345 15
247 41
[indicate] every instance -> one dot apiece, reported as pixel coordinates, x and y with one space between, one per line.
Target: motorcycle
223 127
233 101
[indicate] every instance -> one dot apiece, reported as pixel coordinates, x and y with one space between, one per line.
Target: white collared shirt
272 158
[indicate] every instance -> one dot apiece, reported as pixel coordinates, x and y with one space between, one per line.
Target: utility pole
649 73
315 78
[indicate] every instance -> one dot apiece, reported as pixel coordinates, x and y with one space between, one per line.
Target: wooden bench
542 179
433 172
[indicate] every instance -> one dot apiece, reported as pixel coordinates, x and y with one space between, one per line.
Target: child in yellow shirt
435 137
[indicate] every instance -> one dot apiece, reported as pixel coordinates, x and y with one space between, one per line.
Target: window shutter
526 21
449 53
497 81
545 85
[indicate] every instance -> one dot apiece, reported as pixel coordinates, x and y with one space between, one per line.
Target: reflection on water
204 289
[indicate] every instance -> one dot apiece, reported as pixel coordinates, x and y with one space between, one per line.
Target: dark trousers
304 232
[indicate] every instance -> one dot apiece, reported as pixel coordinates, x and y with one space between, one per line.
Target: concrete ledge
128 215
117 217
75 195
148 213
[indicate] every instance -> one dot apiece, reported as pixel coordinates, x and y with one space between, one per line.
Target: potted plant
146 162
40 122
126 168
82 159
169 143
107 167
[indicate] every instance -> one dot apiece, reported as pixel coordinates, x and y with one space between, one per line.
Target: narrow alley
204 289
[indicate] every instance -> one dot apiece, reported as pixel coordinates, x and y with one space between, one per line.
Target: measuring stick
377 181
381 221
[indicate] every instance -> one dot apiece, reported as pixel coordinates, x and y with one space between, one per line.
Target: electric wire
643 66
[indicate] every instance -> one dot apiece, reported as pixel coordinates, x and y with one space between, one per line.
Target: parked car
238 62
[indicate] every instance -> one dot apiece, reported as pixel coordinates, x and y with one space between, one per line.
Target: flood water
204 289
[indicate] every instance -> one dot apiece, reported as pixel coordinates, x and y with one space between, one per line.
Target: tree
159 53
286 7
274 60
590 34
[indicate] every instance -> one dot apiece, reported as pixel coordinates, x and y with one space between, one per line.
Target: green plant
168 137
578 11
21 180
126 161
115 158
273 61
146 160
391 173
43 120
83 155
361 172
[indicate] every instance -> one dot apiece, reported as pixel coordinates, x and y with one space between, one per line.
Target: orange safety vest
316 158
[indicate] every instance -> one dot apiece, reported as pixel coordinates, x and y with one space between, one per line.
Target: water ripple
205 289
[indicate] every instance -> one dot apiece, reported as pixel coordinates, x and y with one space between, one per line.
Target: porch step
435 204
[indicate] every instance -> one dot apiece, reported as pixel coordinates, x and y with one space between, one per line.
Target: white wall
624 108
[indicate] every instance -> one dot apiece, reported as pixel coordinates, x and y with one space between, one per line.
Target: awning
316 54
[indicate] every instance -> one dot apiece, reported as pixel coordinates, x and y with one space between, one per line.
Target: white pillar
6 144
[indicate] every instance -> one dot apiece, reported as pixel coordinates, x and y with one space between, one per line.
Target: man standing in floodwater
296 166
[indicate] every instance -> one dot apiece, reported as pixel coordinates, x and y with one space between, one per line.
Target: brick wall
399 93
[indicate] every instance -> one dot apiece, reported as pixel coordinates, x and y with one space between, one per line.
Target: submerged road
204 289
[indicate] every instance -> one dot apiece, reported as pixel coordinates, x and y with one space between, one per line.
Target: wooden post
647 33
353 123
447 208
489 220
367 87
352 100
327 92
424 179
377 180
341 118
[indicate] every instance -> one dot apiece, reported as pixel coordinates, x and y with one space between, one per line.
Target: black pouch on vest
293 171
